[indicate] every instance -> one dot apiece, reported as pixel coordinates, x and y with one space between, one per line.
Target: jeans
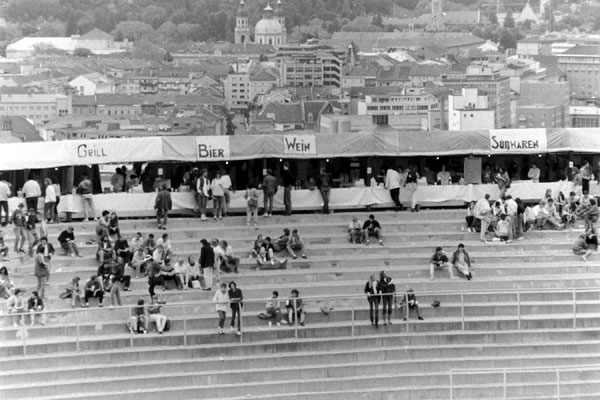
89 294
374 308
268 201
208 276
41 285
325 192
20 237
235 316
164 215
221 319
4 206
88 202
49 211
470 220
115 294
226 201
218 205
154 282
395 193
485 225
287 200
387 305
251 214
31 202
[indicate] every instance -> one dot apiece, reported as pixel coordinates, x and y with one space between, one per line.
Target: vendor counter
142 204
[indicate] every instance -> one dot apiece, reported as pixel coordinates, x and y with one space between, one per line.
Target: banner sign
299 145
213 148
108 151
510 141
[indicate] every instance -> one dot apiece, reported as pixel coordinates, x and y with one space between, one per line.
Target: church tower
436 22
242 28
280 17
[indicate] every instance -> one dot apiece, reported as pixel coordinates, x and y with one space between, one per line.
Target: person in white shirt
221 300
227 189
202 186
137 242
32 191
511 207
219 256
548 214
180 270
218 193
483 212
502 229
392 183
355 230
444 177
534 173
49 201
4 196
165 242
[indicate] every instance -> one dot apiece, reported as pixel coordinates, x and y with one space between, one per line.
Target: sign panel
213 148
300 144
106 151
511 141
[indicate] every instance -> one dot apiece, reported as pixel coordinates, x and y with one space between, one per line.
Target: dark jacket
372 292
163 201
270 184
65 236
455 258
236 294
34 302
207 257
288 178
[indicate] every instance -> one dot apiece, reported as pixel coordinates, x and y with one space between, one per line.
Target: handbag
196 284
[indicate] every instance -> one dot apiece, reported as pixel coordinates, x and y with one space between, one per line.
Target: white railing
189 310
557 379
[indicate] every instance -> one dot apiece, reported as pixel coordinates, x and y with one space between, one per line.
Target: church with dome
269 30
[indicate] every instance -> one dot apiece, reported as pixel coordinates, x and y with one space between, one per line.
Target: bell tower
242 27
280 17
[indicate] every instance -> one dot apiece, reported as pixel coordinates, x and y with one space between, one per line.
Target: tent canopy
381 142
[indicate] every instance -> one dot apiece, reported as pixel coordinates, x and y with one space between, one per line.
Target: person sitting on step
462 262
501 229
371 227
410 302
138 322
73 292
267 255
230 263
168 273
257 245
355 233
155 315
439 260
272 309
295 243
35 306
93 288
67 242
295 308
589 214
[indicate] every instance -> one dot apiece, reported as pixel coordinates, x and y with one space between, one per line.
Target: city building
91 84
396 101
469 111
262 82
585 116
35 106
581 64
237 85
540 116
270 30
97 41
543 102
489 82
310 65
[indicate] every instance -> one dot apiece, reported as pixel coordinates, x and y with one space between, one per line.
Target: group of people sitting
264 249
361 233
294 309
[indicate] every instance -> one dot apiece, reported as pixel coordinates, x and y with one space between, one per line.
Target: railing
554 378
184 313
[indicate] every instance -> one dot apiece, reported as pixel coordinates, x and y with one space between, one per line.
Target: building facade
581 64
36 107
469 111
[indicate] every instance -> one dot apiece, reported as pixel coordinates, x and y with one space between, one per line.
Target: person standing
35 305
32 191
512 209
218 194
227 190
41 270
19 219
373 292
269 186
32 236
392 183
251 197
324 184
202 186
4 196
412 178
483 212
207 263
163 205
85 191
117 181
388 294
49 201
586 176
237 303
444 177
534 173
289 180
221 300
503 181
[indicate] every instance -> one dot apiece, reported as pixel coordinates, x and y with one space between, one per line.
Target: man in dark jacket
163 205
207 263
269 187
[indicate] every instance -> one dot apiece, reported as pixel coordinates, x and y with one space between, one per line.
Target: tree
230 126
361 24
82 52
135 30
493 18
377 20
509 20
145 50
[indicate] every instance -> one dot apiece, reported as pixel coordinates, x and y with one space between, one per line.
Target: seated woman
6 284
568 216
17 306
139 261
355 233
192 273
501 229
295 243
138 322
266 256
73 292
462 262
295 308
230 262
168 273
104 250
272 309
258 243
